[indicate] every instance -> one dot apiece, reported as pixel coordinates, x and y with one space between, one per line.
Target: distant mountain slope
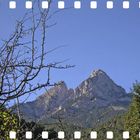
116 125
95 101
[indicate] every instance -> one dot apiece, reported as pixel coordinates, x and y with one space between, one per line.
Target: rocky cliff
96 100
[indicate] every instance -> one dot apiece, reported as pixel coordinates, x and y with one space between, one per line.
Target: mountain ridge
95 96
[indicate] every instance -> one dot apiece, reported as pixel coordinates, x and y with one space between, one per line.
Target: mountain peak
95 96
97 72
61 83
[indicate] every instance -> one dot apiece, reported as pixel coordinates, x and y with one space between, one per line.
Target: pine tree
132 119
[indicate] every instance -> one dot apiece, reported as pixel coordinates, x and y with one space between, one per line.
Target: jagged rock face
83 106
48 103
100 85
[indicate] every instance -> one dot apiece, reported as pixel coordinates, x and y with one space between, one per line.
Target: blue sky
95 39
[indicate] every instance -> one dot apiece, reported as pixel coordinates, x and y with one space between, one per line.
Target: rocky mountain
96 100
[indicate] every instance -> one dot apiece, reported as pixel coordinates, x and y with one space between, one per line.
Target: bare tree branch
23 57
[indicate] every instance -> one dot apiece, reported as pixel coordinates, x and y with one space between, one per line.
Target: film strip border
76 5
77 135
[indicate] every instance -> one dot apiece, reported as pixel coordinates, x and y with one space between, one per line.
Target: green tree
132 119
8 122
